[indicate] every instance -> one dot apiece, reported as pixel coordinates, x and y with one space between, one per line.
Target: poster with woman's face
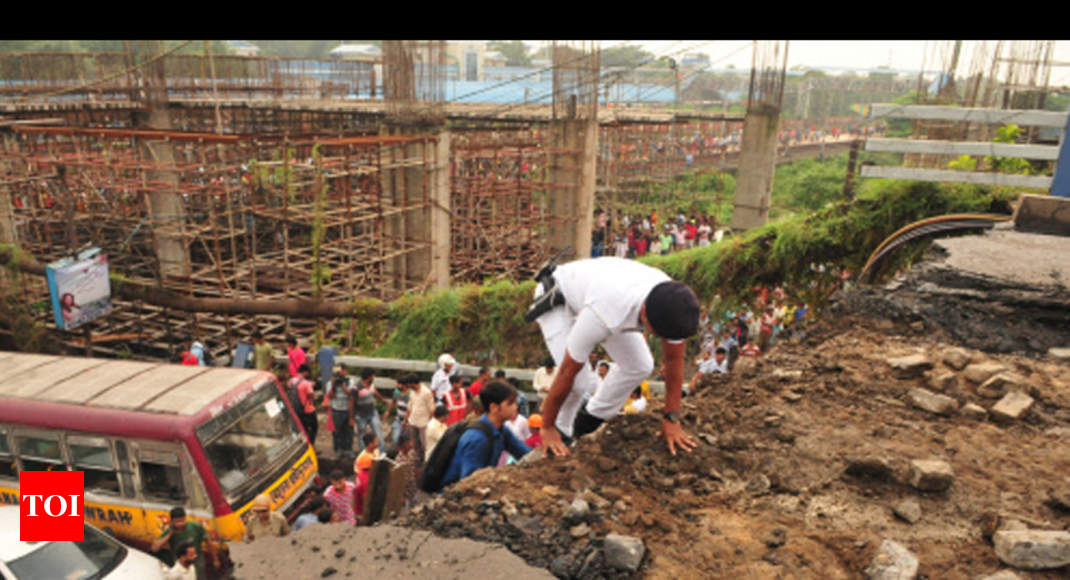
81 292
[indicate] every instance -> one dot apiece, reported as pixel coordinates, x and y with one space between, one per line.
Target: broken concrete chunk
973 411
931 474
1012 407
623 552
998 385
787 376
907 367
1001 575
577 511
955 358
908 511
982 371
893 562
1060 354
1033 549
929 401
943 382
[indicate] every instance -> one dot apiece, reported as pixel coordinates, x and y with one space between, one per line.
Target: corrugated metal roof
127 385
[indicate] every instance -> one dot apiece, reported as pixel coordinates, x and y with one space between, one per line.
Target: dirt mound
339 551
802 461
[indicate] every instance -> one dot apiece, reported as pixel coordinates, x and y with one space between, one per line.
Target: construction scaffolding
499 222
263 219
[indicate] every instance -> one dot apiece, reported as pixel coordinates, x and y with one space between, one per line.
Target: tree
626 55
516 54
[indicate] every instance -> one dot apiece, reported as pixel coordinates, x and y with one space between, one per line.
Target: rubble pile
850 451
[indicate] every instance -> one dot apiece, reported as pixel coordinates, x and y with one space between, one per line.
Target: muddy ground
767 493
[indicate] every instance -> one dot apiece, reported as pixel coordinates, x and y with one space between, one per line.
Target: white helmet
446 359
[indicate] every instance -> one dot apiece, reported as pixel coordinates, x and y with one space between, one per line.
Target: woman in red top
456 401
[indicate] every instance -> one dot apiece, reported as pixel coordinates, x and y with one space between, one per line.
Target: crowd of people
650 234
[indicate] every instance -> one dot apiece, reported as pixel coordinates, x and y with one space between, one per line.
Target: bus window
161 475
93 456
7 459
40 452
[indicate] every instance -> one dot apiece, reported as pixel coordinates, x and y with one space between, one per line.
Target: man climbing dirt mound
805 465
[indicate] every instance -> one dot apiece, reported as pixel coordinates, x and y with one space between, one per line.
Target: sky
906 55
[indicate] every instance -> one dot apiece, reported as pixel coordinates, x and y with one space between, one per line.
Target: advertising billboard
81 291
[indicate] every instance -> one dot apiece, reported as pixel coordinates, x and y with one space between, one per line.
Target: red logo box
51 506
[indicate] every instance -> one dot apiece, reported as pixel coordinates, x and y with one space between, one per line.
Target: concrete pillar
8 233
754 185
430 225
573 175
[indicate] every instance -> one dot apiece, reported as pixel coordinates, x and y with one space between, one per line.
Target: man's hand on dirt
674 436
551 440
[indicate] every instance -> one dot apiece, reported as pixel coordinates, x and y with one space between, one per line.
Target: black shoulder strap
488 433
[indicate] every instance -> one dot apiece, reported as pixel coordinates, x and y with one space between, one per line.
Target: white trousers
580 334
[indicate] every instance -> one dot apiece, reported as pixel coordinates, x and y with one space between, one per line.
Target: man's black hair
366 373
549 362
499 374
324 515
441 411
454 379
303 369
483 371
337 474
257 334
178 512
672 309
604 364
315 505
368 438
291 340
404 438
496 392
720 350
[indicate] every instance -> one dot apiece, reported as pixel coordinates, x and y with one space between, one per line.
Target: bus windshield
245 443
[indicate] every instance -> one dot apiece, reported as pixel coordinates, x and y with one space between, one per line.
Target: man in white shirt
440 381
183 568
544 377
610 301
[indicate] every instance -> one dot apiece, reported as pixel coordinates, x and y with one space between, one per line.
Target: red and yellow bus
150 437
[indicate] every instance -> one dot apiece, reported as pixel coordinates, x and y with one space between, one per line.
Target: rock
955 358
998 385
561 567
870 468
596 500
1012 407
917 326
982 371
623 552
577 511
778 539
328 571
1060 354
943 382
629 518
579 531
973 411
787 376
908 367
759 484
1001 575
1060 432
508 509
1033 549
605 464
929 401
908 511
892 562
792 397
1011 525
931 475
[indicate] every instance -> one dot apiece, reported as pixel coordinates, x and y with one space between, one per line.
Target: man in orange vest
456 401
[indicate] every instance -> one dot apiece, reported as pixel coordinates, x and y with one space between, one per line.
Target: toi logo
51 506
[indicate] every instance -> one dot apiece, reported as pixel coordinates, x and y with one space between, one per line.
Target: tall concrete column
573 176
757 161
430 225
8 233
166 205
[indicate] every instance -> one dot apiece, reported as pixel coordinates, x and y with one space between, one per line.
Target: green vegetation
514 51
484 323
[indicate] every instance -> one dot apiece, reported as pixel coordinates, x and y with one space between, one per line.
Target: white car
96 557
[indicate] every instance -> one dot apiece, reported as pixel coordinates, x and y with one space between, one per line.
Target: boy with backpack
467 447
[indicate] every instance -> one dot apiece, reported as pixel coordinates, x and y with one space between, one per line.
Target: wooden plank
972 115
947 175
956 148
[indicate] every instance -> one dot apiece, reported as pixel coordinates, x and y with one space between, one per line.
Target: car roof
11 548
